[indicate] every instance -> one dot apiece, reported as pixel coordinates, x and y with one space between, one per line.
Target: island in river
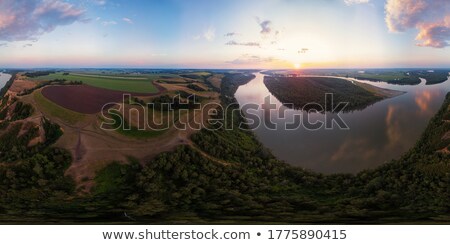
309 93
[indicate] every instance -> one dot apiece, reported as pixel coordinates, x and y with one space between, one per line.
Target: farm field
125 84
56 110
81 98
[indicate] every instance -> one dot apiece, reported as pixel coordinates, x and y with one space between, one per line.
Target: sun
297 66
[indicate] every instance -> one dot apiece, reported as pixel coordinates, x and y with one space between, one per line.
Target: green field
134 132
55 110
127 84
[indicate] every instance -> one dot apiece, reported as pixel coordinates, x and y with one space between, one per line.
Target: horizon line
187 68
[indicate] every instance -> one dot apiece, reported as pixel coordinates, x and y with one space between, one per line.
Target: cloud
430 17
352 2
265 26
28 19
3 45
436 35
99 2
129 21
231 34
250 44
27 45
251 59
210 34
303 50
109 23
404 14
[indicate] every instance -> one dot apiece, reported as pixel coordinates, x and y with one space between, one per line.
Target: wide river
4 78
377 134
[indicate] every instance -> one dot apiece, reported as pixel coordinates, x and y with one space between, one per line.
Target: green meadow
55 110
131 84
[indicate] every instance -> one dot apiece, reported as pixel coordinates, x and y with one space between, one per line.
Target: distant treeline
434 77
38 73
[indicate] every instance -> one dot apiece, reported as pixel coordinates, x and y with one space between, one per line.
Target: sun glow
297 66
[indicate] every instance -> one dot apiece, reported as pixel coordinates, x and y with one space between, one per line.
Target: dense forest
405 77
249 185
435 77
391 76
308 93
38 73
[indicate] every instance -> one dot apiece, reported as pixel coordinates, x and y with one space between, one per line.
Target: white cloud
247 59
129 21
28 19
351 2
210 34
99 2
109 23
249 44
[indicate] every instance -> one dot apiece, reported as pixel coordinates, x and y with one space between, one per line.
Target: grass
200 73
55 110
126 84
134 132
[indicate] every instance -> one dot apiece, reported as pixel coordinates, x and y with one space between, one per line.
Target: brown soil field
216 80
83 98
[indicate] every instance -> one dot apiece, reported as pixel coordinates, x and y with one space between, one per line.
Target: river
4 78
377 134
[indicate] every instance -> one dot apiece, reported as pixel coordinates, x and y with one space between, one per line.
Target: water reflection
377 134
4 78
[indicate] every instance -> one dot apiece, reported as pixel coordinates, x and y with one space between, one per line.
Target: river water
4 78
379 133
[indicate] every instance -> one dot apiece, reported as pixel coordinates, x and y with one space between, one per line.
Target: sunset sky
225 34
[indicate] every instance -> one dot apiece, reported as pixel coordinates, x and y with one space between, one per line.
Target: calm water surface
4 78
379 133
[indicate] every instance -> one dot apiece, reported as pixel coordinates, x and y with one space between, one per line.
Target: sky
270 34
